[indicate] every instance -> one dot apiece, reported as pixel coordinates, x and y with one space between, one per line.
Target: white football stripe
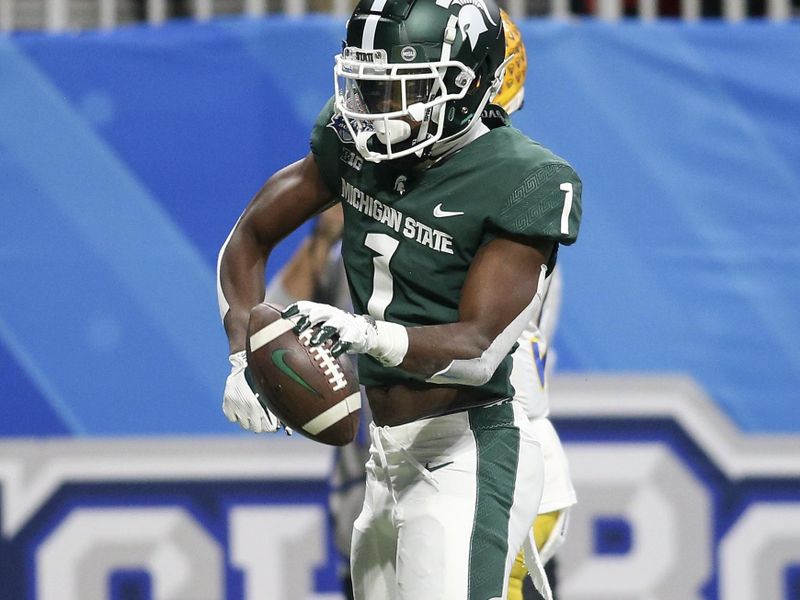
270 332
368 37
334 414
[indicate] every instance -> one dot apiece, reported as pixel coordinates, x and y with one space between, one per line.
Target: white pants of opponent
449 502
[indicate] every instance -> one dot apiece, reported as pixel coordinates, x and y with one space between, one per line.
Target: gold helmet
512 90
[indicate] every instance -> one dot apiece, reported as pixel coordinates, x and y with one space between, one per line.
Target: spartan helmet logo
472 19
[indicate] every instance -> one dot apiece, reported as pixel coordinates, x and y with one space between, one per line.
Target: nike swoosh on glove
240 402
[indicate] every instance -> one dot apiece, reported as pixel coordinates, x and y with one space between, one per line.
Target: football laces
330 367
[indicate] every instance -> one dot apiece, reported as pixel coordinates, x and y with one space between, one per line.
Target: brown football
306 387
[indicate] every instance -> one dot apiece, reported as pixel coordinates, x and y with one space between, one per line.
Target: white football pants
449 502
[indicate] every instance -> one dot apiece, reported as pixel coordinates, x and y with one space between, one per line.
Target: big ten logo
673 502
89 525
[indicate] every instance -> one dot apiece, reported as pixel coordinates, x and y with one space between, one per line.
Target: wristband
392 343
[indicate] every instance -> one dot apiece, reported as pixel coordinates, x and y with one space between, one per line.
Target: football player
315 271
451 226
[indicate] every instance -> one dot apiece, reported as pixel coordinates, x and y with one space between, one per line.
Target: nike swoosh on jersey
439 212
431 468
278 361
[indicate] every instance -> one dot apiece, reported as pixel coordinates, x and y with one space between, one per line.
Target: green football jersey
411 235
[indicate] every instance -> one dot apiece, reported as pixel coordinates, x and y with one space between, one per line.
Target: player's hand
355 334
240 402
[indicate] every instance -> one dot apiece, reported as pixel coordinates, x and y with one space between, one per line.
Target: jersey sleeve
546 203
325 145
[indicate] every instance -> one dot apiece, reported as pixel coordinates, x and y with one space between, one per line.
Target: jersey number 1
566 187
382 282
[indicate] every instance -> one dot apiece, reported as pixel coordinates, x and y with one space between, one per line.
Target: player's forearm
468 352
464 353
498 299
433 348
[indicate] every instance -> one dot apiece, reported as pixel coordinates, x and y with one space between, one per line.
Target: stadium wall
126 156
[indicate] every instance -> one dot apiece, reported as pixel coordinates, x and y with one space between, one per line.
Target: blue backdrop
126 157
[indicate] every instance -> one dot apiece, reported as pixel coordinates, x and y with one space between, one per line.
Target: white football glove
240 403
357 334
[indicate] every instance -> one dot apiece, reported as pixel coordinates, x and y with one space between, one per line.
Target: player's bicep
288 199
501 282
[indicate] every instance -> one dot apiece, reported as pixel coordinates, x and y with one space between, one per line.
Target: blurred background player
316 272
534 362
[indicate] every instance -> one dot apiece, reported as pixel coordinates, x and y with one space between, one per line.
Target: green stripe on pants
497 441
